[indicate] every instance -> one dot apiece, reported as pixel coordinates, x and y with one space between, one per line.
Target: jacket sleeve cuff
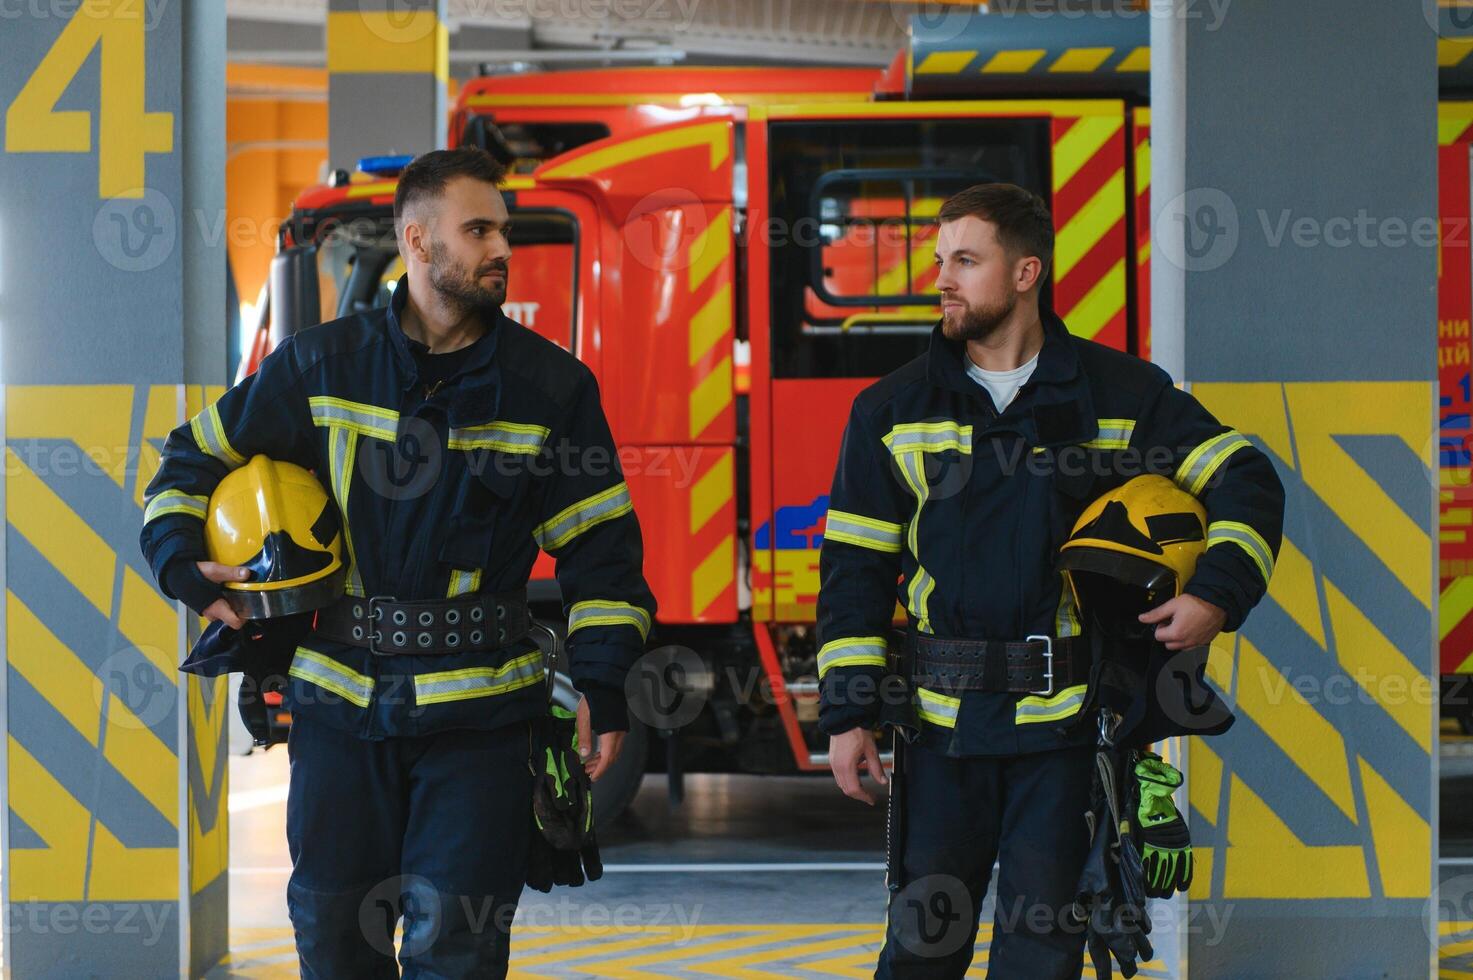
182 580
607 710
1221 599
849 698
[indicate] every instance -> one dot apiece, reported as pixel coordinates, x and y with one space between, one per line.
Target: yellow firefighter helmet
1133 549
275 519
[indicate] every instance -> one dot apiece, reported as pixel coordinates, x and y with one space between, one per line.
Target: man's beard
460 290
978 324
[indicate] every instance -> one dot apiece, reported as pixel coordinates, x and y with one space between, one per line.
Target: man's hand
1185 622
852 753
220 609
597 762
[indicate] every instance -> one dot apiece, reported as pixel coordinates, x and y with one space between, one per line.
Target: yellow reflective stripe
342 452
572 521
851 651
866 532
921 585
1197 469
175 502
916 480
360 417
509 437
930 437
479 682
328 674
463 583
1066 617
1113 434
1240 534
938 709
1060 704
608 612
209 435
918 598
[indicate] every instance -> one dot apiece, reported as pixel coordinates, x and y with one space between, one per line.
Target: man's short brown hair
427 175
1024 225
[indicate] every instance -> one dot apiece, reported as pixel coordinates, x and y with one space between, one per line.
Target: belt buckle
1048 662
374 635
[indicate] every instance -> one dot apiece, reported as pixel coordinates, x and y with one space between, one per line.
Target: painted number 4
125 131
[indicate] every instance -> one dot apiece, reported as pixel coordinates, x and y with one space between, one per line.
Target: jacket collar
1053 407
475 397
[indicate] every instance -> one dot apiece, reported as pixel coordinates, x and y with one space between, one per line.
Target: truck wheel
617 788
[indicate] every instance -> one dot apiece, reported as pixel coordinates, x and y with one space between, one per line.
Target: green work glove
1166 845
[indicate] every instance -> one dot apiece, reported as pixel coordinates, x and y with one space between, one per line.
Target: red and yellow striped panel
1089 218
712 326
1141 139
685 497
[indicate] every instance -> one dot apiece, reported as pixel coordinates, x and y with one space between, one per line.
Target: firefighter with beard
960 476
450 438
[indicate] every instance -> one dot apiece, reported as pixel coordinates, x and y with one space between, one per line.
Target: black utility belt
1041 665
426 627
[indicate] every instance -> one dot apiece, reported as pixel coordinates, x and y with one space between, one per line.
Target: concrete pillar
112 303
1294 238
387 62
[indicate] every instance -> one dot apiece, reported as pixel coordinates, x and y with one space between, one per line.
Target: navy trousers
431 827
961 815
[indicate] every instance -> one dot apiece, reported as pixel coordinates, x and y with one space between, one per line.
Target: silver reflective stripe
605 612
342 452
463 583
573 521
866 532
1197 469
854 651
1060 705
910 469
1246 538
479 682
175 502
1113 434
918 597
362 418
938 709
509 437
328 674
209 435
931 437
1066 619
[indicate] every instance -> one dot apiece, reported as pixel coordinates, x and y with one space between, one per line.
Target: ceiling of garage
853 32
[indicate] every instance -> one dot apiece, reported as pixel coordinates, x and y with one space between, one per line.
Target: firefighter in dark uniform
960 475
455 443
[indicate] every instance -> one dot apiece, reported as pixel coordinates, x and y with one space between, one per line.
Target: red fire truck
736 253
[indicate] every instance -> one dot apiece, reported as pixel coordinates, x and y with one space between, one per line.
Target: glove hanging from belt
564 847
1111 898
1166 844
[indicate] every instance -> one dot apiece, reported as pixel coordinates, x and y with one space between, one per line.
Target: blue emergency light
384 166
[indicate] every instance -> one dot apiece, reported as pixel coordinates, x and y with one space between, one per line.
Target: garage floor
753 877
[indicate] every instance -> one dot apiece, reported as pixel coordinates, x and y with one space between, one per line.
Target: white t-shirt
1002 385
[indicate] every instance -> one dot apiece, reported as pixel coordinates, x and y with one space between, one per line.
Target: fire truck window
528 143
852 231
359 269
